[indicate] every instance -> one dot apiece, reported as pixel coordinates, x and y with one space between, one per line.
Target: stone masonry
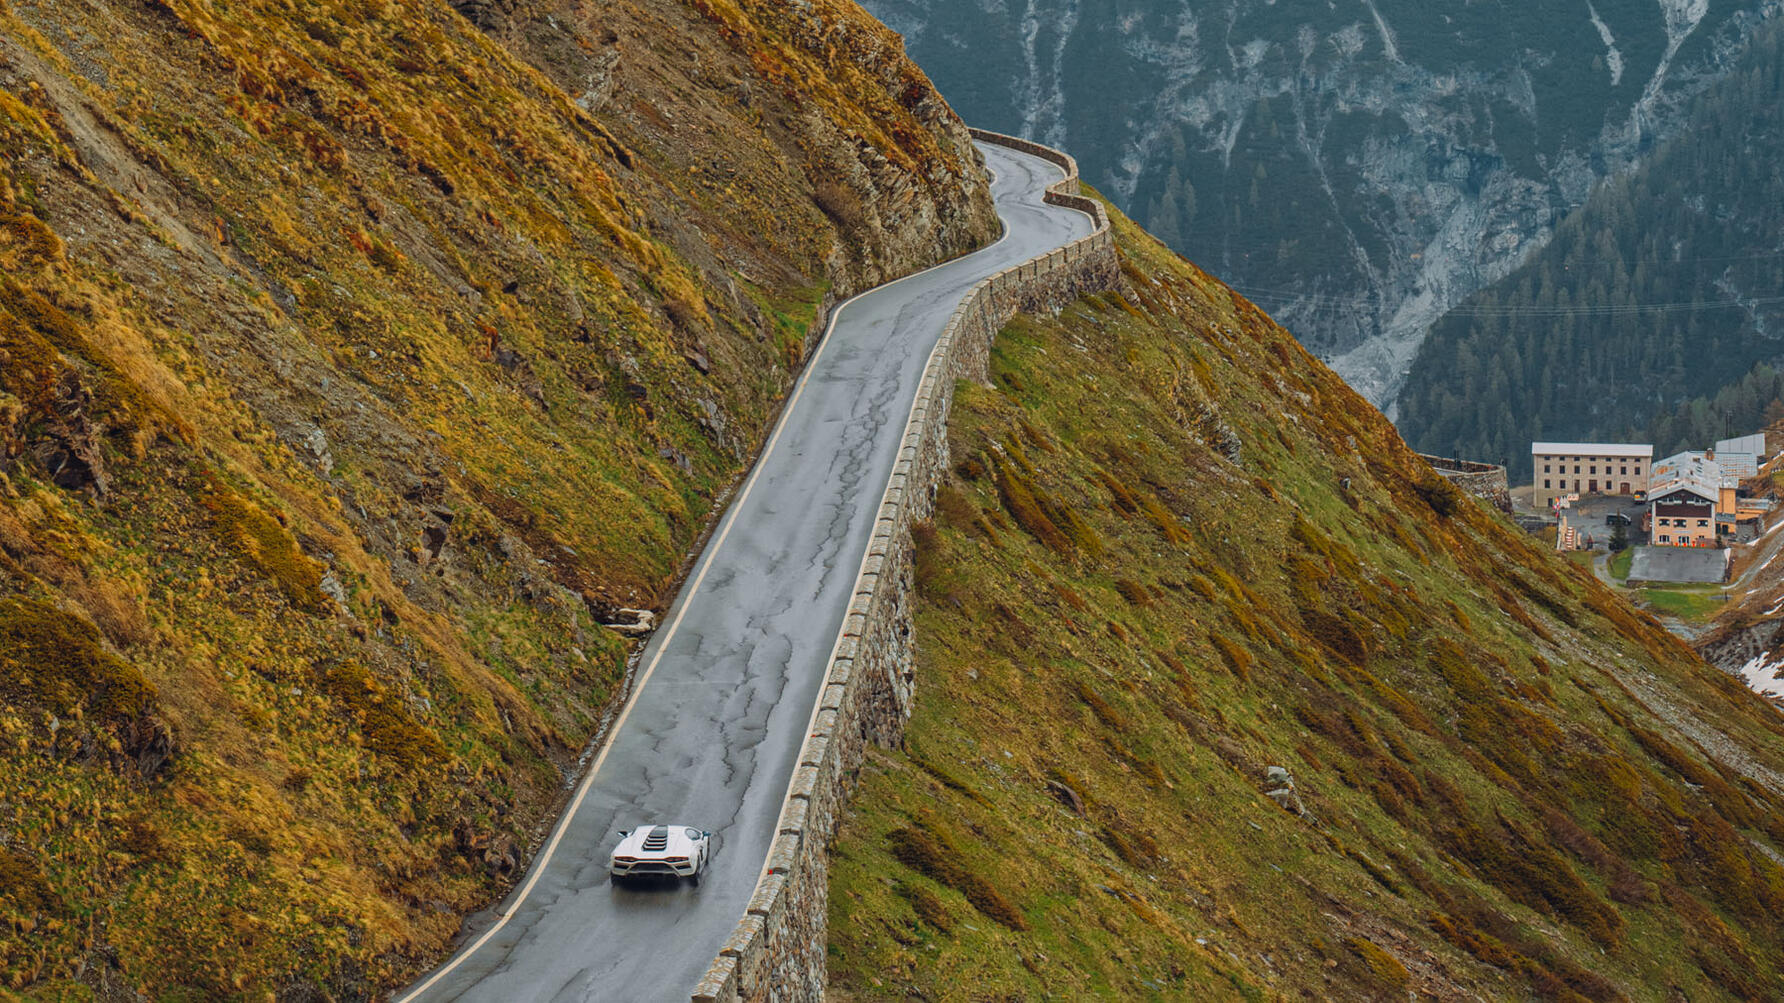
777 951
1486 481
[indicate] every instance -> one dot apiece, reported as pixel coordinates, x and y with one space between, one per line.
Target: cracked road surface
726 687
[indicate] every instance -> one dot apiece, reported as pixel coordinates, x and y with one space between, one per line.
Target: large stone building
1588 468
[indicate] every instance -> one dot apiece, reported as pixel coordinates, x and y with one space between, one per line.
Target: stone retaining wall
1487 481
777 951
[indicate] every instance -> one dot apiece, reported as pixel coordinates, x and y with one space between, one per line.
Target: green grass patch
1686 604
1620 562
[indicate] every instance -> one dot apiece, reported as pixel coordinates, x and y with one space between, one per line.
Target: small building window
1576 468
1594 470
1545 468
1703 522
1622 470
1665 539
1545 484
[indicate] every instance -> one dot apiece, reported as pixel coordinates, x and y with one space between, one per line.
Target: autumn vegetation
1513 784
358 361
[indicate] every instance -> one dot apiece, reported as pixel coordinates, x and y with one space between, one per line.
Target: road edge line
543 861
942 341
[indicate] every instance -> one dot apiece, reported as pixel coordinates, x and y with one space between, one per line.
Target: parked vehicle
665 851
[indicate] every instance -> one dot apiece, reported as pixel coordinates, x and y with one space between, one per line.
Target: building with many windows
1683 514
1692 500
1589 468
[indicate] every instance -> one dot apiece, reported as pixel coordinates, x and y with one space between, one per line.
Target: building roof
1754 444
1695 465
1693 485
1691 463
1591 449
1736 466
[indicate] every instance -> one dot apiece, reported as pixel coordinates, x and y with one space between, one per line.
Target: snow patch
1612 57
1764 677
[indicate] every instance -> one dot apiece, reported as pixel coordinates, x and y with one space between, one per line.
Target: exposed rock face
881 197
1356 169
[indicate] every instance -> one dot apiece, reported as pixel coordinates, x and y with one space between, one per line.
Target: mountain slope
357 364
1356 167
1178 551
1667 285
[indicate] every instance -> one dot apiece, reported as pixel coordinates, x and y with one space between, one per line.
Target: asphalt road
726 687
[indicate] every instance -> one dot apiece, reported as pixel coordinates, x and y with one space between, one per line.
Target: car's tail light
625 860
676 860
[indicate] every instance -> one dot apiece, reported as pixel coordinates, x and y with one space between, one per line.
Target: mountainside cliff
1223 693
358 362
1356 168
369 369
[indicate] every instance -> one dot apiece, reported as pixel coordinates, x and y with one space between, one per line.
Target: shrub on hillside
1376 969
841 204
264 544
54 660
382 717
930 854
928 907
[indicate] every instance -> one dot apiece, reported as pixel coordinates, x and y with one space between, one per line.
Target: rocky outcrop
778 949
876 185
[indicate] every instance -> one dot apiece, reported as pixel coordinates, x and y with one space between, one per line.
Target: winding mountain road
726 688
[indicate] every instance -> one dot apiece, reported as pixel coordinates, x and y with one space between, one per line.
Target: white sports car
675 851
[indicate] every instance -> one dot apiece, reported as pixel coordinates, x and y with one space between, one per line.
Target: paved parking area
1589 514
1679 564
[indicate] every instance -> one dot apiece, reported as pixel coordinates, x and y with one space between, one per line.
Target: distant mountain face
1653 315
1357 166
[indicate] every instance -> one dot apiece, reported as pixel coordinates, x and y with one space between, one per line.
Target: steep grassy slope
1176 551
356 365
